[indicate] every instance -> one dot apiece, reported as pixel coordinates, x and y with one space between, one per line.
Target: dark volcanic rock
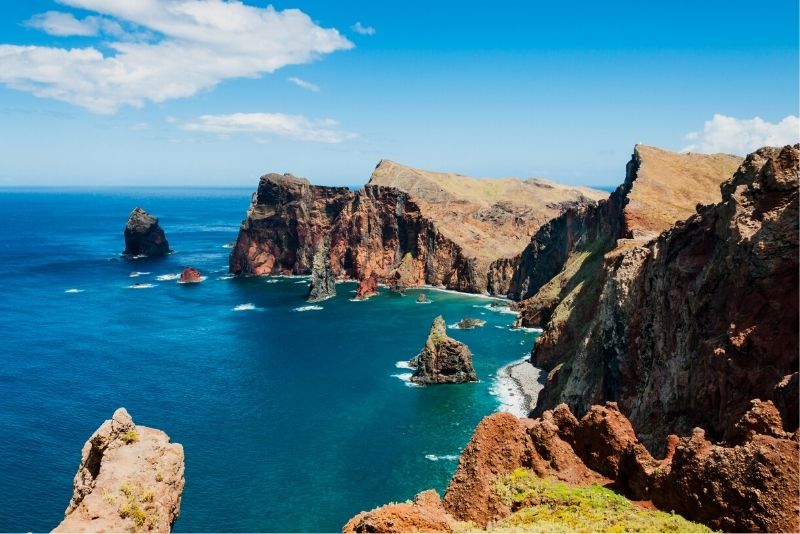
143 236
443 360
190 275
323 281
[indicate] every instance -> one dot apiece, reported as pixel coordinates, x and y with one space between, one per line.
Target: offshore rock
443 360
407 227
684 331
190 275
144 236
367 287
323 281
130 480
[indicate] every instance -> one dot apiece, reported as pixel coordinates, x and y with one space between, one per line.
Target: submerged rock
367 287
190 275
422 298
144 236
130 480
323 281
468 323
443 360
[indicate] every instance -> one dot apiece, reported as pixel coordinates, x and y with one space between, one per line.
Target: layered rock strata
323 281
144 236
687 329
130 479
407 227
734 487
443 360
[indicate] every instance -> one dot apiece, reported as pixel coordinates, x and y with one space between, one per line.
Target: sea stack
144 236
443 360
367 287
323 281
130 480
190 275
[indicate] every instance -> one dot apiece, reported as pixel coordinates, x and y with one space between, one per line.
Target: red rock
190 275
425 514
367 287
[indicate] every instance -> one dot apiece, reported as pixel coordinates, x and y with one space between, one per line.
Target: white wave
273 281
73 290
246 307
403 364
406 378
526 329
165 277
141 286
500 327
134 274
424 302
357 300
301 282
229 245
138 256
226 277
507 391
201 279
308 308
496 308
436 457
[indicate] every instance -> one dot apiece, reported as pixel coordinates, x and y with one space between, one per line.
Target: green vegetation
545 505
136 503
131 436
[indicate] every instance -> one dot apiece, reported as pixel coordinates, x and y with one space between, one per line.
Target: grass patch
544 505
136 504
131 436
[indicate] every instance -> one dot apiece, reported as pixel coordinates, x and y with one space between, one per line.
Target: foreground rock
425 514
144 236
443 360
407 227
323 281
685 330
190 275
130 480
748 487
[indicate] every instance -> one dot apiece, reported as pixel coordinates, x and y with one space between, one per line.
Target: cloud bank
195 45
742 136
295 127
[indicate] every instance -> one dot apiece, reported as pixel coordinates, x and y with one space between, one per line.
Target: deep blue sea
290 420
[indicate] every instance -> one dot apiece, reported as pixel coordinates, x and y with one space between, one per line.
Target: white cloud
304 84
296 127
65 24
742 136
363 30
202 42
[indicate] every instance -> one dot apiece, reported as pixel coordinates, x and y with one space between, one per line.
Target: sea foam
73 290
141 286
406 378
134 274
436 457
165 277
308 308
245 307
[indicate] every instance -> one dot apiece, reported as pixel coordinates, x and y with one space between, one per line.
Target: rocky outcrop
425 514
468 323
684 331
367 287
190 275
407 227
130 480
144 236
747 487
443 360
323 281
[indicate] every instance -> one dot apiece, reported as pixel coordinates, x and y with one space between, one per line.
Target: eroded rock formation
130 480
685 330
407 227
144 236
323 281
443 360
367 287
752 486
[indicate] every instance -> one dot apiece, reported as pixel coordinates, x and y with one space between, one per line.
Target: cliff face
407 227
685 330
130 480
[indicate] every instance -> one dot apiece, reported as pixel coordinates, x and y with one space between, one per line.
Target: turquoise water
290 420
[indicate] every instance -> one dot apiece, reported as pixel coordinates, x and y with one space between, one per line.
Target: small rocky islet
638 390
144 236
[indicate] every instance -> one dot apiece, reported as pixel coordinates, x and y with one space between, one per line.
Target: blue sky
203 92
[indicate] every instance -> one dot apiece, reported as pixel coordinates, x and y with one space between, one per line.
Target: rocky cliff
685 330
522 474
406 228
130 479
323 281
443 360
144 236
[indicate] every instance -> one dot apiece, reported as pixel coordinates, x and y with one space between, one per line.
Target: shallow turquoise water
290 420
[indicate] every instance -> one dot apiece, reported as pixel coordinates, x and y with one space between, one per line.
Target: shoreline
517 386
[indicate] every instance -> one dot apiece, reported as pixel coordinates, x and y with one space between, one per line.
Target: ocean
292 418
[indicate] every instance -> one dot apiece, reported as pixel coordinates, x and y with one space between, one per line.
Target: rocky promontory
144 236
407 227
323 281
443 360
130 479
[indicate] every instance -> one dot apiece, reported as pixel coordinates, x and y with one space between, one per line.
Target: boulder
190 275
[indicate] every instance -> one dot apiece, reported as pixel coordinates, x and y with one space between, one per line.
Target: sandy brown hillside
489 218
